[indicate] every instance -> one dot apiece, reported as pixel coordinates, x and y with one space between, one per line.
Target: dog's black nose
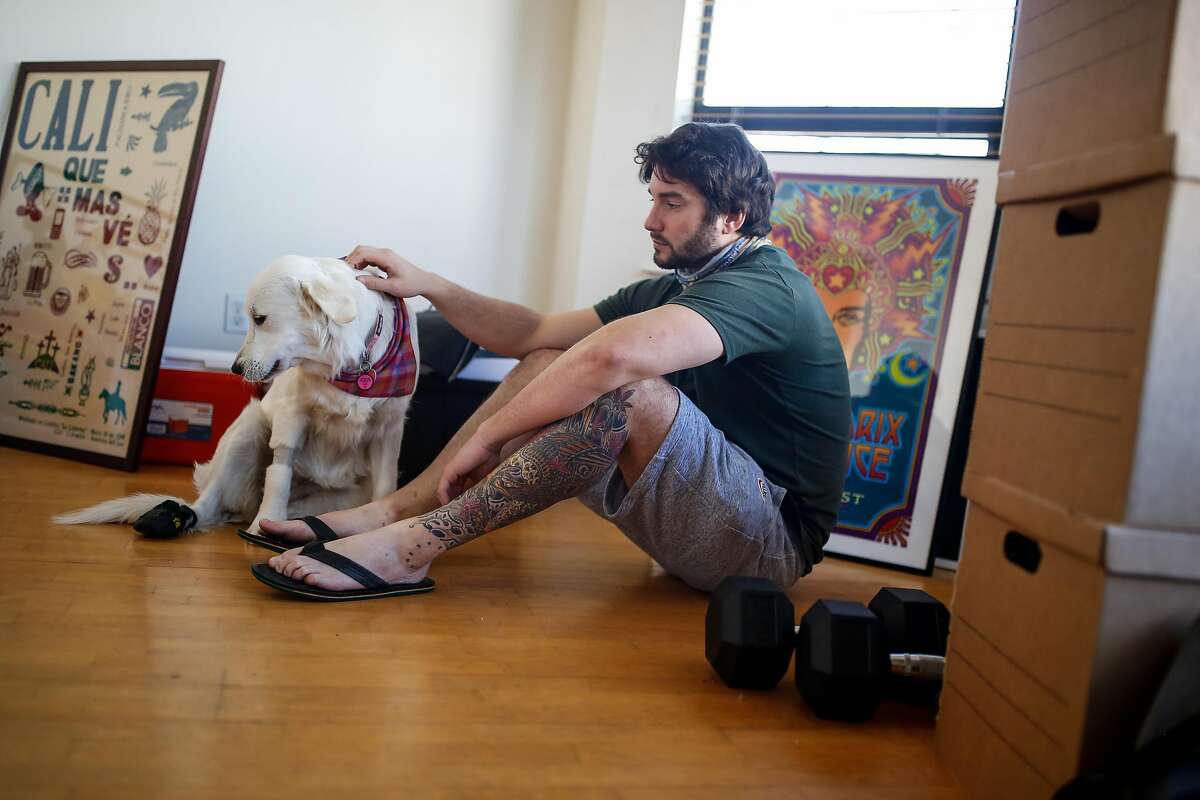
237 368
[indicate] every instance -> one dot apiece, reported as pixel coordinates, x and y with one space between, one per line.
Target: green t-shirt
780 392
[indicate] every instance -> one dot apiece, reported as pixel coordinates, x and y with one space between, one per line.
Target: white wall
622 93
432 128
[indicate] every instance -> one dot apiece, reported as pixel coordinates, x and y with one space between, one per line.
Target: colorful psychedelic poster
97 179
886 256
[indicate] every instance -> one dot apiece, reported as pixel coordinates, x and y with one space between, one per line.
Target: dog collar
395 373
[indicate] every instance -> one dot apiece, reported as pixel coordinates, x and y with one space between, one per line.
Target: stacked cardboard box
1100 92
1081 556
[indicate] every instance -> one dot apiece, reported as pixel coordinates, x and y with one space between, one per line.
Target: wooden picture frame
100 166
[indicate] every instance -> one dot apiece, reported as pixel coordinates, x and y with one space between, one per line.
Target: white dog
342 361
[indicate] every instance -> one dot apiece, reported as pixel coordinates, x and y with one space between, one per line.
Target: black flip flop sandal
374 586
280 545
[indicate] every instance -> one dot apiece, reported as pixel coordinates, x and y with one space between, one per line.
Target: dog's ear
331 299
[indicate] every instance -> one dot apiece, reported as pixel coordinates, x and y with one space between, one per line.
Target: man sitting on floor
705 412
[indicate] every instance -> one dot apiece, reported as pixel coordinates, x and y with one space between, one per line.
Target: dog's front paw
166 520
254 526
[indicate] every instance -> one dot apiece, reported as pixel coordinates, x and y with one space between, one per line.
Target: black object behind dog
443 401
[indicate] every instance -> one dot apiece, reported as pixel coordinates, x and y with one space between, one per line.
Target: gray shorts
702 508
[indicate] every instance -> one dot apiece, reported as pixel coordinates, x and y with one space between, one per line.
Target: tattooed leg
559 462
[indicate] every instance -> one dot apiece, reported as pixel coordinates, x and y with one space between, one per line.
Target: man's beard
692 254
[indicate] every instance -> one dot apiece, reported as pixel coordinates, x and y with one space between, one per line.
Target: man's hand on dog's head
391 274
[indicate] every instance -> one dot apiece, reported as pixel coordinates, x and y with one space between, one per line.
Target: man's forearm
574 380
497 325
630 349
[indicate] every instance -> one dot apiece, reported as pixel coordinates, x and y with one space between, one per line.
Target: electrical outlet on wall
235 315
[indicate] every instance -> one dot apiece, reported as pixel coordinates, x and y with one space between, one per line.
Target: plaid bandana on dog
395 373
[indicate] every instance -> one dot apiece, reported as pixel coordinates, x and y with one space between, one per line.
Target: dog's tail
124 509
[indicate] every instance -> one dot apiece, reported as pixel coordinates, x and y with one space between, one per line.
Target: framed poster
896 248
99 172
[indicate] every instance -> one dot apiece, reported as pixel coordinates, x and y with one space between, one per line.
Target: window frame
893 121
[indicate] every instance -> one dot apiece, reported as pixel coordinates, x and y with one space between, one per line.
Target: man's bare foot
348 522
385 552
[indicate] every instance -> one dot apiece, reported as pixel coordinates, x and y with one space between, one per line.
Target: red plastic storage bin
192 408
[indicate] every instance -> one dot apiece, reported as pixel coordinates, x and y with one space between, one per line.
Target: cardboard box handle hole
1022 551
1077 219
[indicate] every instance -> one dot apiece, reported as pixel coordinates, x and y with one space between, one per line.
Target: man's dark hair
723 166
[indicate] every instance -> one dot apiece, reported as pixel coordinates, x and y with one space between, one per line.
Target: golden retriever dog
342 364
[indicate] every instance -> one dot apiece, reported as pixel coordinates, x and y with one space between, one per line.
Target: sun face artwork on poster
883 255
97 179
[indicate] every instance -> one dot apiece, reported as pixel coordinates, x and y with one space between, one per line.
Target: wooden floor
553 660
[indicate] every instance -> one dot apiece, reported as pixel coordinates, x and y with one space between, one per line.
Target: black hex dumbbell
916 625
847 655
850 656
749 632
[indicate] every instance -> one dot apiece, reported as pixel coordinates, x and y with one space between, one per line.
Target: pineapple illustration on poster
99 172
